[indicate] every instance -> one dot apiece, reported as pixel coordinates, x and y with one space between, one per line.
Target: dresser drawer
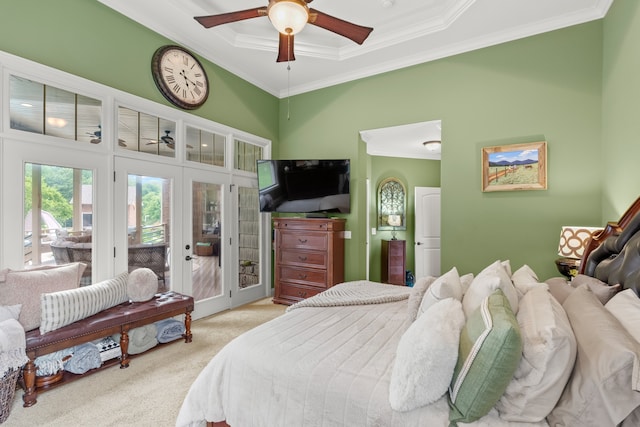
306 276
292 292
303 258
304 240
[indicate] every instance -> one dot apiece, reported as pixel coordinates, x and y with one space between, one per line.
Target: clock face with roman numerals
180 77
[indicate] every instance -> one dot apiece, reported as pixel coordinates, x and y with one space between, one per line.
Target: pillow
465 281
524 279
10 312
426 356
489 353
446 286
559 288
625 306
548 354
25 287
62 308
142 284
485 283
602 389
415 297
603 291
507 267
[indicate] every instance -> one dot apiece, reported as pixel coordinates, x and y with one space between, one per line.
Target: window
146 133
205 147
38 108
246 155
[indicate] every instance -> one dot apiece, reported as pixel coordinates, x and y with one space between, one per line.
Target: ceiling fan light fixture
288 16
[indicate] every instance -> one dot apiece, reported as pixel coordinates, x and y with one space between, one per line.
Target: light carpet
151 390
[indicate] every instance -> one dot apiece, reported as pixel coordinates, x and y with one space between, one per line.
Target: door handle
418 243
188 258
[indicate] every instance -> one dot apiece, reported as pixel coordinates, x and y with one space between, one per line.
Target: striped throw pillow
58 309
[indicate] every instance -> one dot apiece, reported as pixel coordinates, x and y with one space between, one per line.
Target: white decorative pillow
465 281
625 306
524 279
142 284
548 354
493 277
507 267
446 286
62 308
25 287
10 312
426 356
415 297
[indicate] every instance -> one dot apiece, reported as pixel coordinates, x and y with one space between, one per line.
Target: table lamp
573 240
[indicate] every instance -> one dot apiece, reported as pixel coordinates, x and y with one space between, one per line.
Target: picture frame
515 167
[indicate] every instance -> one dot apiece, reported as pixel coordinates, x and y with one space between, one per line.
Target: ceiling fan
289 17
167 139
96 137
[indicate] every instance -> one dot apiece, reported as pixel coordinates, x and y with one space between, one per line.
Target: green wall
546 87
620 149
90 40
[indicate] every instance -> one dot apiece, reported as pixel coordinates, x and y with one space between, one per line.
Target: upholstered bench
117 319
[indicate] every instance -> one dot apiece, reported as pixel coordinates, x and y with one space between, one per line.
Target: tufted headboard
613 255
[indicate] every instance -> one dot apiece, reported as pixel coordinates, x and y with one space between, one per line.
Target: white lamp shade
288 16
573 240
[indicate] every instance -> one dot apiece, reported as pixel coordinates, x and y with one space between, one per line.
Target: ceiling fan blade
357 33
285 48
225 18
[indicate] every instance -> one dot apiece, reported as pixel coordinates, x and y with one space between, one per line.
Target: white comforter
312 366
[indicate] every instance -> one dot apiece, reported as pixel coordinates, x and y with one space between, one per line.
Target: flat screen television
304 186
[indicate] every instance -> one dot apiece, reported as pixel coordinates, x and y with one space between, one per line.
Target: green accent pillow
490 351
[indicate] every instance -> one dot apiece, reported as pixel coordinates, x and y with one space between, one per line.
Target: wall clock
180 77
392 202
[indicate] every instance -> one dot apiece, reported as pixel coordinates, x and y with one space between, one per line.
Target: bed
498 348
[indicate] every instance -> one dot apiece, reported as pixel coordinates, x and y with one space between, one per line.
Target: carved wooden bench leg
124 347
187 328
30 395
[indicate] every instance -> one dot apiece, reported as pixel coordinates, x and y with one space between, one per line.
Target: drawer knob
302 276
302 241
302 258
302 293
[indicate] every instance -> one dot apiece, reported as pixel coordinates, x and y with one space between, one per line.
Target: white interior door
427 237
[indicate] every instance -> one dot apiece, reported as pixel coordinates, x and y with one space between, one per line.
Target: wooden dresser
309 257
393 261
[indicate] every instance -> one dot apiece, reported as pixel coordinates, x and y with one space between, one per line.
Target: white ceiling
406 32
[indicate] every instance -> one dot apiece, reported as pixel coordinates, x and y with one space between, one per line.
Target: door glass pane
249 237
206 272
149 226
58 202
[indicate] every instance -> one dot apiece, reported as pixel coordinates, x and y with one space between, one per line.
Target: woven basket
7 391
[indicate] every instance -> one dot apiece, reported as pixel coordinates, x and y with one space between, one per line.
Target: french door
205 230
206 222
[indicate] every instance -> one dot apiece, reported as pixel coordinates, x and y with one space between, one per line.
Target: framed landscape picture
515 167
